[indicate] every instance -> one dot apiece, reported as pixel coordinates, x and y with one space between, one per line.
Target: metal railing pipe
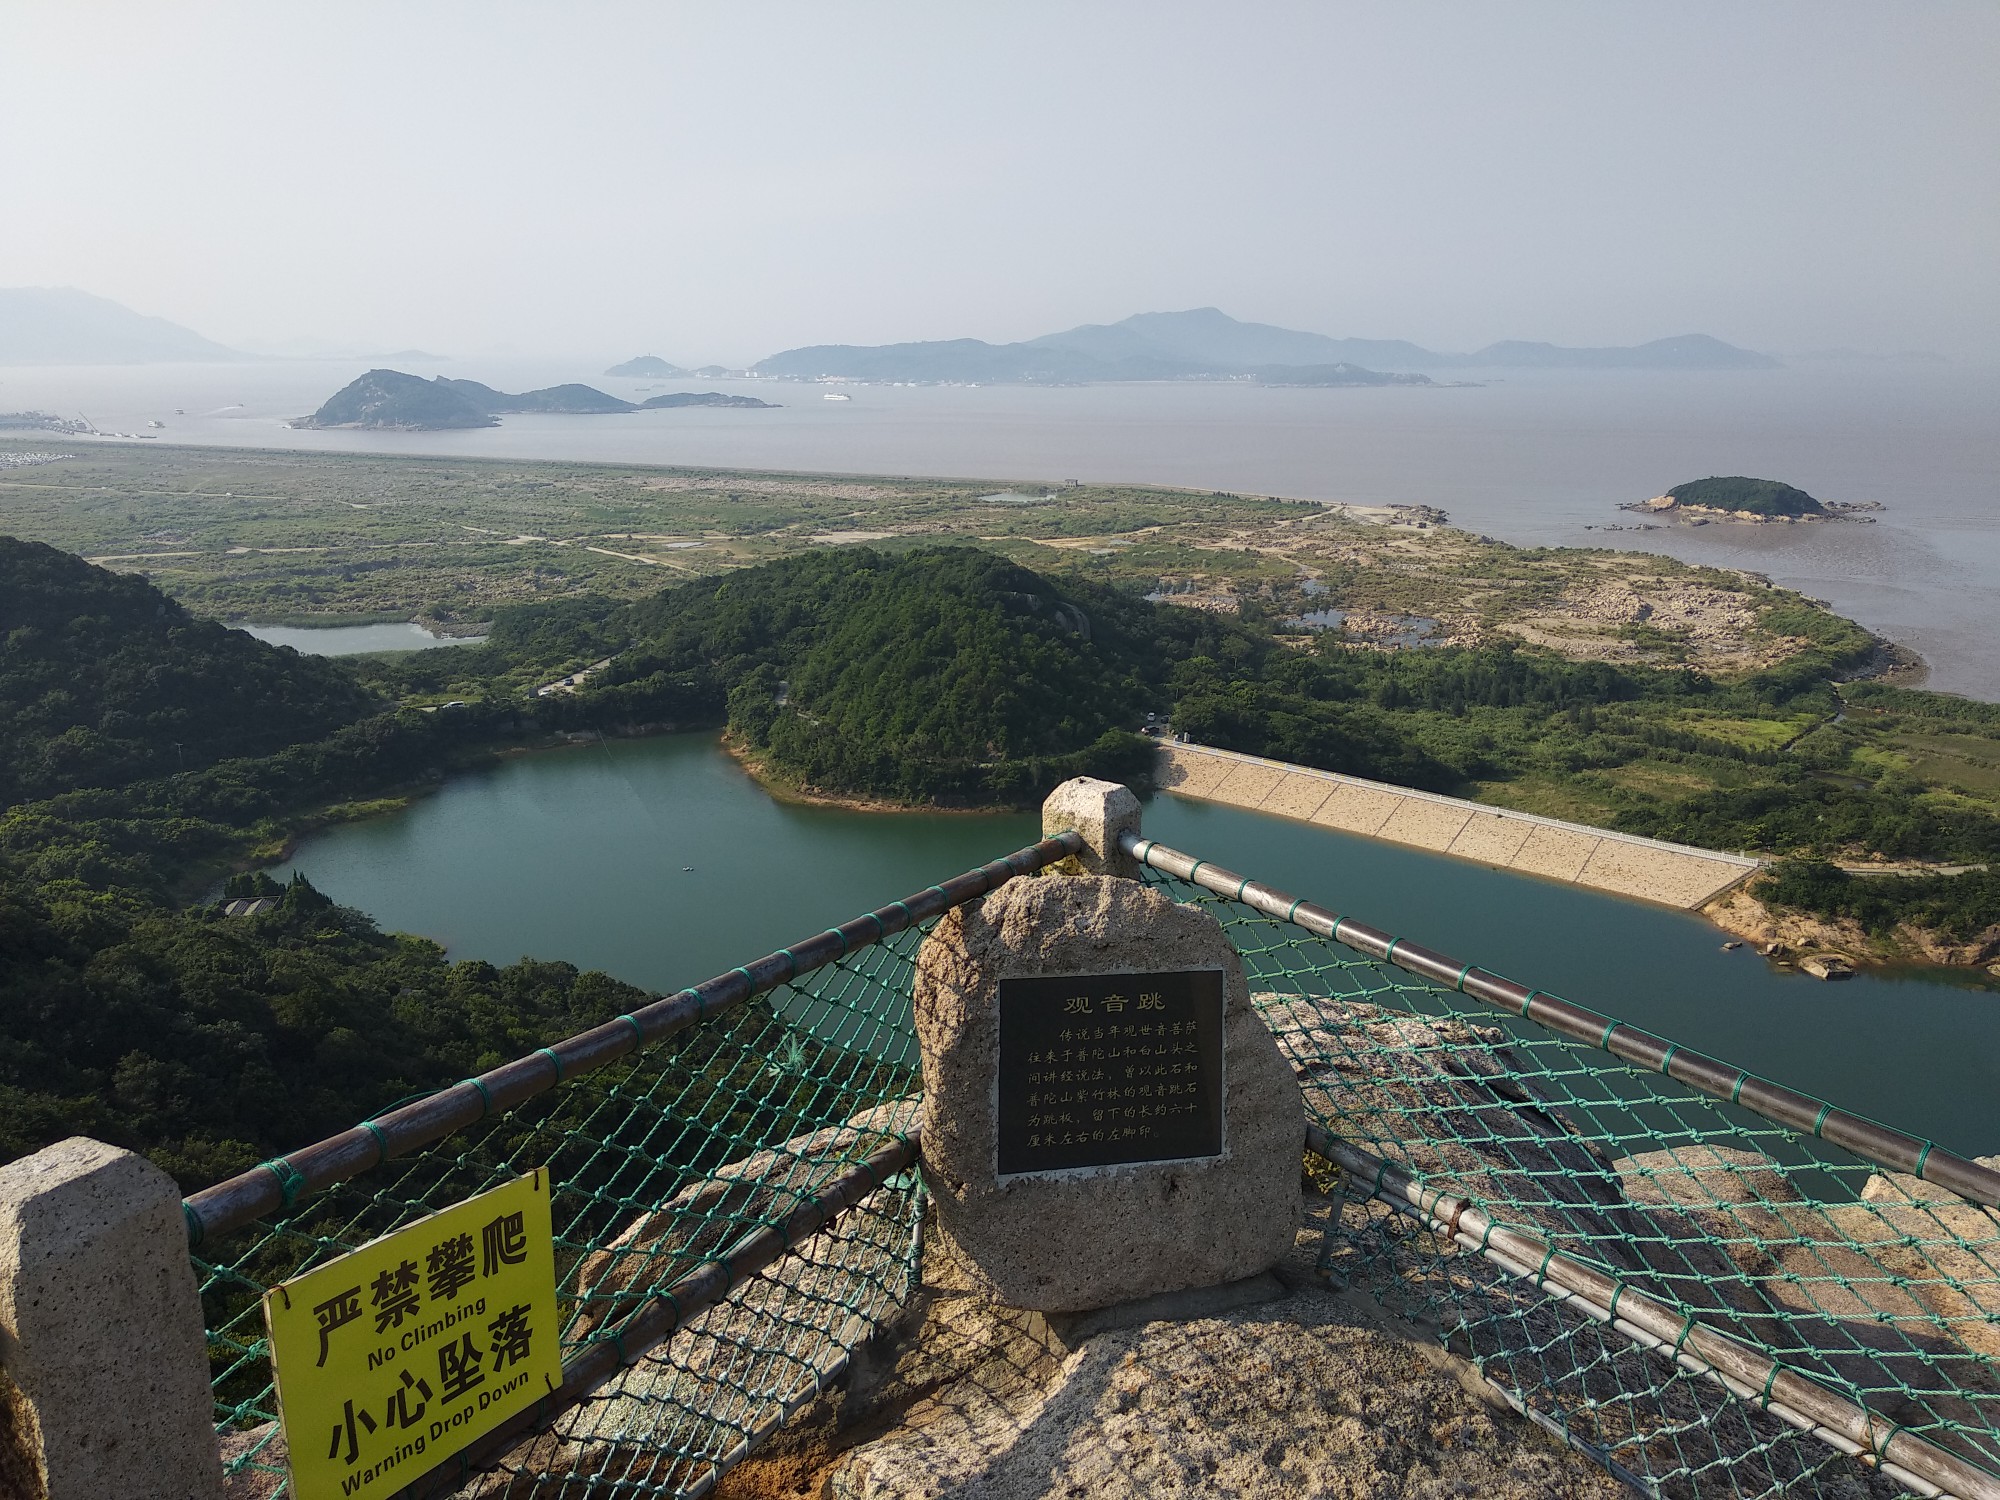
1870 1140
1745 1371
277 1185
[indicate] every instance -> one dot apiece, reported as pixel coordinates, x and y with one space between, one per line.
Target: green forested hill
943 674
211 1043
104 680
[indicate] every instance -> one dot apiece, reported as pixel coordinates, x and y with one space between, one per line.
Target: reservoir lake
580 854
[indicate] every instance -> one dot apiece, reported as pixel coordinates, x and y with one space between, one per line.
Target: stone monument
1105 1116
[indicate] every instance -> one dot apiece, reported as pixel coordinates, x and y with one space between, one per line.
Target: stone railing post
1101 811
104 1384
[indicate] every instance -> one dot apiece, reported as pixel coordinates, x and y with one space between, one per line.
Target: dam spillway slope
1621 863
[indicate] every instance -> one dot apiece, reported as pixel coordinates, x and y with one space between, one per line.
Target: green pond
659 861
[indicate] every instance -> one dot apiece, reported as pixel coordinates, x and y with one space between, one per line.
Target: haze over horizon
719 187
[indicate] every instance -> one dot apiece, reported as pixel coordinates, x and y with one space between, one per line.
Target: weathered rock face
1317 1394
1063 1244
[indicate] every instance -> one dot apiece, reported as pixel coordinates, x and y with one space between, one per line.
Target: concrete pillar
1101 811
104 1385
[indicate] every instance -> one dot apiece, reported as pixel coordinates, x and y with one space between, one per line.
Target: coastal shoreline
1788 937
778 789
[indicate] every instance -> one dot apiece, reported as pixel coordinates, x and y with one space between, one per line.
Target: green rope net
1876 1285
659 1164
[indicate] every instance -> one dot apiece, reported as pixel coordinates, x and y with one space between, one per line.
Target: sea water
1537 458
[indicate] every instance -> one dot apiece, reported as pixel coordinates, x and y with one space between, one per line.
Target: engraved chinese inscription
1105 1069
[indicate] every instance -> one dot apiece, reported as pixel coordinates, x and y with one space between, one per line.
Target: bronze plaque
1102 1069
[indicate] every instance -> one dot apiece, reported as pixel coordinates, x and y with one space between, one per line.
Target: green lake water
584 855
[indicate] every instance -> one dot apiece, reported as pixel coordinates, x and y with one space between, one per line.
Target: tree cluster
104 681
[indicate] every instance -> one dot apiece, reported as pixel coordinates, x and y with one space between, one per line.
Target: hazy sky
718 182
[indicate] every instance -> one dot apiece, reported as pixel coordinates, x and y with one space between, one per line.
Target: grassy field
277 536
281 537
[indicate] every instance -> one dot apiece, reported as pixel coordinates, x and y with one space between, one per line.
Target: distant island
647 367
1738 497
1207 344
704 398
389 400
392 401
1338 374
1742 495
571 399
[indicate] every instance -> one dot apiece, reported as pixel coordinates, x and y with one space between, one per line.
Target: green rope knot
290 1180
1686 1329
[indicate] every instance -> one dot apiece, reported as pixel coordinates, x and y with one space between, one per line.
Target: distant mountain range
58 325
1206 343
391 399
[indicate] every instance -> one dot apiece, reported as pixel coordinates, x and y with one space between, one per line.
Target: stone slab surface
1299 796
1658 874
1249 784
1554 852
1427 824
1192 775
1491 838
1080 1241
1356 809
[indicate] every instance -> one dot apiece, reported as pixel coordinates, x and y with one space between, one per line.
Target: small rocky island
391 401
647 367
1739 498
705 398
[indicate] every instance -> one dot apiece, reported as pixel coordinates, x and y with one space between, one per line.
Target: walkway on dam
1648 869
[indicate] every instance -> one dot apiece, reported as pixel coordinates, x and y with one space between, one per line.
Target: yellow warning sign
392 1358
